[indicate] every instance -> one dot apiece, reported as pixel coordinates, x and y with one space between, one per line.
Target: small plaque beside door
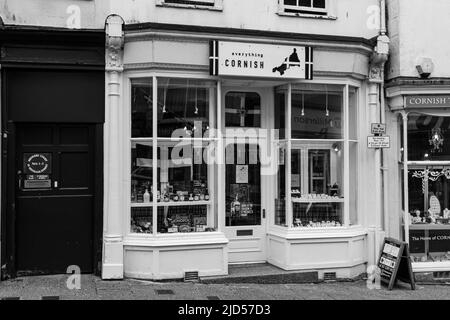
244 233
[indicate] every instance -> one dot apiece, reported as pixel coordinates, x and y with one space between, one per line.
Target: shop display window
429 208
317 184
428 186
179 155
323 155
428 138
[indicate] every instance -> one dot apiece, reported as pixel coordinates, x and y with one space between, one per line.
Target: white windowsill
306 15
190 6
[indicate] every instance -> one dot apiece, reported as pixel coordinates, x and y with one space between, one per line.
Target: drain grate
441 275
164 291
191 276
329 276
11 298
50 298
212 298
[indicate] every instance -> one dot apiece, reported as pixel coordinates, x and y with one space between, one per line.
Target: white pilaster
113 165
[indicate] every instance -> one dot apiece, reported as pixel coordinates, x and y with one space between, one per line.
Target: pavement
93 288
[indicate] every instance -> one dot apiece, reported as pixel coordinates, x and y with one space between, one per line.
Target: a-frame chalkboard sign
395 263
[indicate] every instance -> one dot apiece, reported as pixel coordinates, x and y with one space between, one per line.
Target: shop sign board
378 142
242 59
427 101
395 263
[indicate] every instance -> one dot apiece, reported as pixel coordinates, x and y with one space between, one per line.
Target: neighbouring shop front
230 151
424 169
52 89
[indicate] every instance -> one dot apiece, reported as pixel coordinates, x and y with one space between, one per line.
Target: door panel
54 198
245 204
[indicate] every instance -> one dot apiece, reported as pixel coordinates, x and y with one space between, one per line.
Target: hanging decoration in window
431 175
437 140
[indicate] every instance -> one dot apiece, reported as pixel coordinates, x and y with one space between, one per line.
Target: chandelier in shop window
436 140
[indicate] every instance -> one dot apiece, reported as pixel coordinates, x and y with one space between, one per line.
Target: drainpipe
377 114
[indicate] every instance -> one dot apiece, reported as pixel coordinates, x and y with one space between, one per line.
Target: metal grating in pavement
11 298
164 291
50 298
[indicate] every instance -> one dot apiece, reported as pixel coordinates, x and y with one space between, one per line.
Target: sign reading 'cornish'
260 60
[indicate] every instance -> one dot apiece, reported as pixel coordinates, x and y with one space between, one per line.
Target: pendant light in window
327 112
196 107
166 88
303 104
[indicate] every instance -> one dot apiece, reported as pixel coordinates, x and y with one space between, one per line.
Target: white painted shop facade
209 215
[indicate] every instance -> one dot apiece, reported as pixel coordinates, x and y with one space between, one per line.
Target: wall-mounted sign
260 60
37 163
378 142
378 128
427 101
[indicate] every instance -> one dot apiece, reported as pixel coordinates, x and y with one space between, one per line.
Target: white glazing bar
155 154
212 216
405 176
346 158
220 163
288 125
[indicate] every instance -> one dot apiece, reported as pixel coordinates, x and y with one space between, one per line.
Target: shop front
231 152
424 164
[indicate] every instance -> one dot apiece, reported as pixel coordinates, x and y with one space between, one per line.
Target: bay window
322 148
428 186
172 150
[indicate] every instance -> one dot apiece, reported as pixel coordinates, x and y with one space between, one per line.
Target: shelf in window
301 200
184 203
141 204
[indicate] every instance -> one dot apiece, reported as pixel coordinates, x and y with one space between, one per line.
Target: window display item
146 196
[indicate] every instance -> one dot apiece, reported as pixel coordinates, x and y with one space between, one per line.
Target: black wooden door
54 205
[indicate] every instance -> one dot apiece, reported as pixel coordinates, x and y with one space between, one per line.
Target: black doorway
54 205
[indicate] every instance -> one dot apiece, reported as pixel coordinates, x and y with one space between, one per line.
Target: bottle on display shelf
146 196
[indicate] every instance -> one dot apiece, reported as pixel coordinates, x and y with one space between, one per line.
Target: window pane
280 200
182 171
242 109
317 184
319 4
141 172
317 215
353 114
243 185
183 107
290 2
353 183
184 219
280 114
429 203
141 220
428 138
305 3
141 108
316 115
